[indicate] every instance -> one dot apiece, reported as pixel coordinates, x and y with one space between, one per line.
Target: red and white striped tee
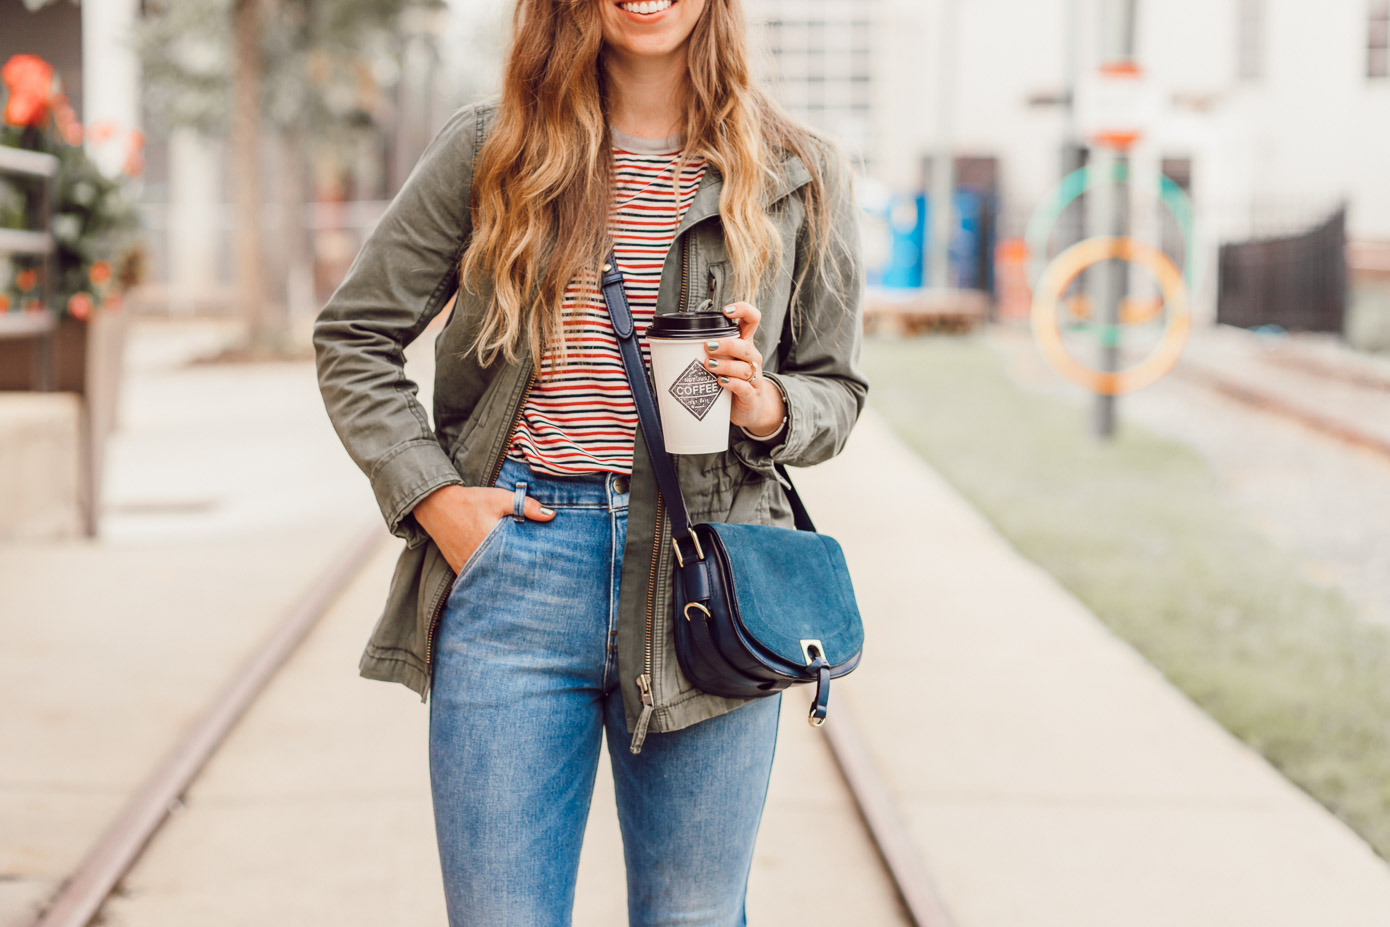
582 419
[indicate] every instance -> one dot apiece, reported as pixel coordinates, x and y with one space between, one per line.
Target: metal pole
1071 51
1111 287
1072 228
1118 48
943 175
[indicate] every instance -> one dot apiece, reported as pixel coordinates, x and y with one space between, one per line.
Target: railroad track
1329 425
81 896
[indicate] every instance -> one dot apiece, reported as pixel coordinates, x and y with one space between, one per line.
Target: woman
532 602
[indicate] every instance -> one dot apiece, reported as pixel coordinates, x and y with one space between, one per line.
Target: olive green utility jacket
405 274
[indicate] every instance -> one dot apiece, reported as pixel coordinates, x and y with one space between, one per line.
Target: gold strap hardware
676 547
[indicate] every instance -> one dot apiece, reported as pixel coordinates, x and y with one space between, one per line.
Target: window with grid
821 56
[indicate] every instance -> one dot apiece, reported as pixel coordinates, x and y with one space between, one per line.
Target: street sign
1116 105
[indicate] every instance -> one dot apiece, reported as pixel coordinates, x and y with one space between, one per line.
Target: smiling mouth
646 7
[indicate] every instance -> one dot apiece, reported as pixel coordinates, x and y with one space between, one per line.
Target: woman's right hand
459 517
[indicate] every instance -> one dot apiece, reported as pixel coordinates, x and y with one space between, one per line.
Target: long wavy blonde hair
542 180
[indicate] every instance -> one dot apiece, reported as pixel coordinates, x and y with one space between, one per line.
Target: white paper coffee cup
694 407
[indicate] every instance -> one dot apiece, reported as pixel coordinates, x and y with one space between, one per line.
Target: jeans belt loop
519 500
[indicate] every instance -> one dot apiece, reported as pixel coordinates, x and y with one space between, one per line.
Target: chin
650 27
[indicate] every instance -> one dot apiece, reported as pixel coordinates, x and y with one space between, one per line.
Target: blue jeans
525 683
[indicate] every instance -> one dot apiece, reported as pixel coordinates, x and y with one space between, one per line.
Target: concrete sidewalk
316 811
1050 775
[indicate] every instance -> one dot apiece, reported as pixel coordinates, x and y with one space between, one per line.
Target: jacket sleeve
819 369
401 278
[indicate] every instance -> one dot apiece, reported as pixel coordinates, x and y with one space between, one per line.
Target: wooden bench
924 311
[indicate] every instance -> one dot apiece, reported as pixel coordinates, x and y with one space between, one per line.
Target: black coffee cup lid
691 325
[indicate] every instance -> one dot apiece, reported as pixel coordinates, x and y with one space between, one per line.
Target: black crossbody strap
642 397
645 401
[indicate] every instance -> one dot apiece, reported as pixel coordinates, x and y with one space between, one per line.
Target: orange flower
100 273
4 302
33 305
26 279
80 305
30 81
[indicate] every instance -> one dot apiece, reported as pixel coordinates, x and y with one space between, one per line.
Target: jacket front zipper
496 469
644 681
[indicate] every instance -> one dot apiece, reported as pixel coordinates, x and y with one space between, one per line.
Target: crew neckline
639 145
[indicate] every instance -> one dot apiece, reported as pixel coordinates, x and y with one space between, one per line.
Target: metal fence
1298 281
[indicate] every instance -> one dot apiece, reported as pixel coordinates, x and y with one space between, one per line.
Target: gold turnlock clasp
676 547
690 605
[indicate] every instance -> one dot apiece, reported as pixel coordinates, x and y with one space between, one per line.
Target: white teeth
646 6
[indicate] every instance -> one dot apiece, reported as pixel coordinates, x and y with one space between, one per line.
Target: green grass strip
1141 530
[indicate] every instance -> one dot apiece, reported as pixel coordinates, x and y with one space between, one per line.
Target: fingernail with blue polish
729 310
547 512
711 345
712 362
723 379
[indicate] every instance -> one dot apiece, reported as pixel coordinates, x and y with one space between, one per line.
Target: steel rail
84 892
1307 417
913 881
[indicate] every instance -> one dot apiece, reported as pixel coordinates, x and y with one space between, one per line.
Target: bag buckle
806 646
700 554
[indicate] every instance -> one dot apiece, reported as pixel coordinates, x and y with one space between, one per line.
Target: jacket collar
706 202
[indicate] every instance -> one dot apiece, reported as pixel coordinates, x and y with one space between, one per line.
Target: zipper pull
644 685
706 305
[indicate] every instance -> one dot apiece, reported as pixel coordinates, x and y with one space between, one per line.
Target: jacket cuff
410 474
759 455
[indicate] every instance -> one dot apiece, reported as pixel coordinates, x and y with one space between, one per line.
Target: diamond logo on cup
696 389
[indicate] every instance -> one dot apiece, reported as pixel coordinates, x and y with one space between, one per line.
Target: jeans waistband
581 490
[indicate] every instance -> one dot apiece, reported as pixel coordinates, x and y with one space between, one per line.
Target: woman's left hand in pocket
755 403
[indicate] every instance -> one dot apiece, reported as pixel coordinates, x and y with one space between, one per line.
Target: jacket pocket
715 283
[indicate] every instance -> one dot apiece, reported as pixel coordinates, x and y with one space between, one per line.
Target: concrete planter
86 361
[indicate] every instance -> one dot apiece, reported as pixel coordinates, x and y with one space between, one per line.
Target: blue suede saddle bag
759 607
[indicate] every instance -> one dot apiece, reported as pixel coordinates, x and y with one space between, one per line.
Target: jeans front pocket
470 565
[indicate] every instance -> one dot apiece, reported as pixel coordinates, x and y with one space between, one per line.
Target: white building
1274 110
1281 106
